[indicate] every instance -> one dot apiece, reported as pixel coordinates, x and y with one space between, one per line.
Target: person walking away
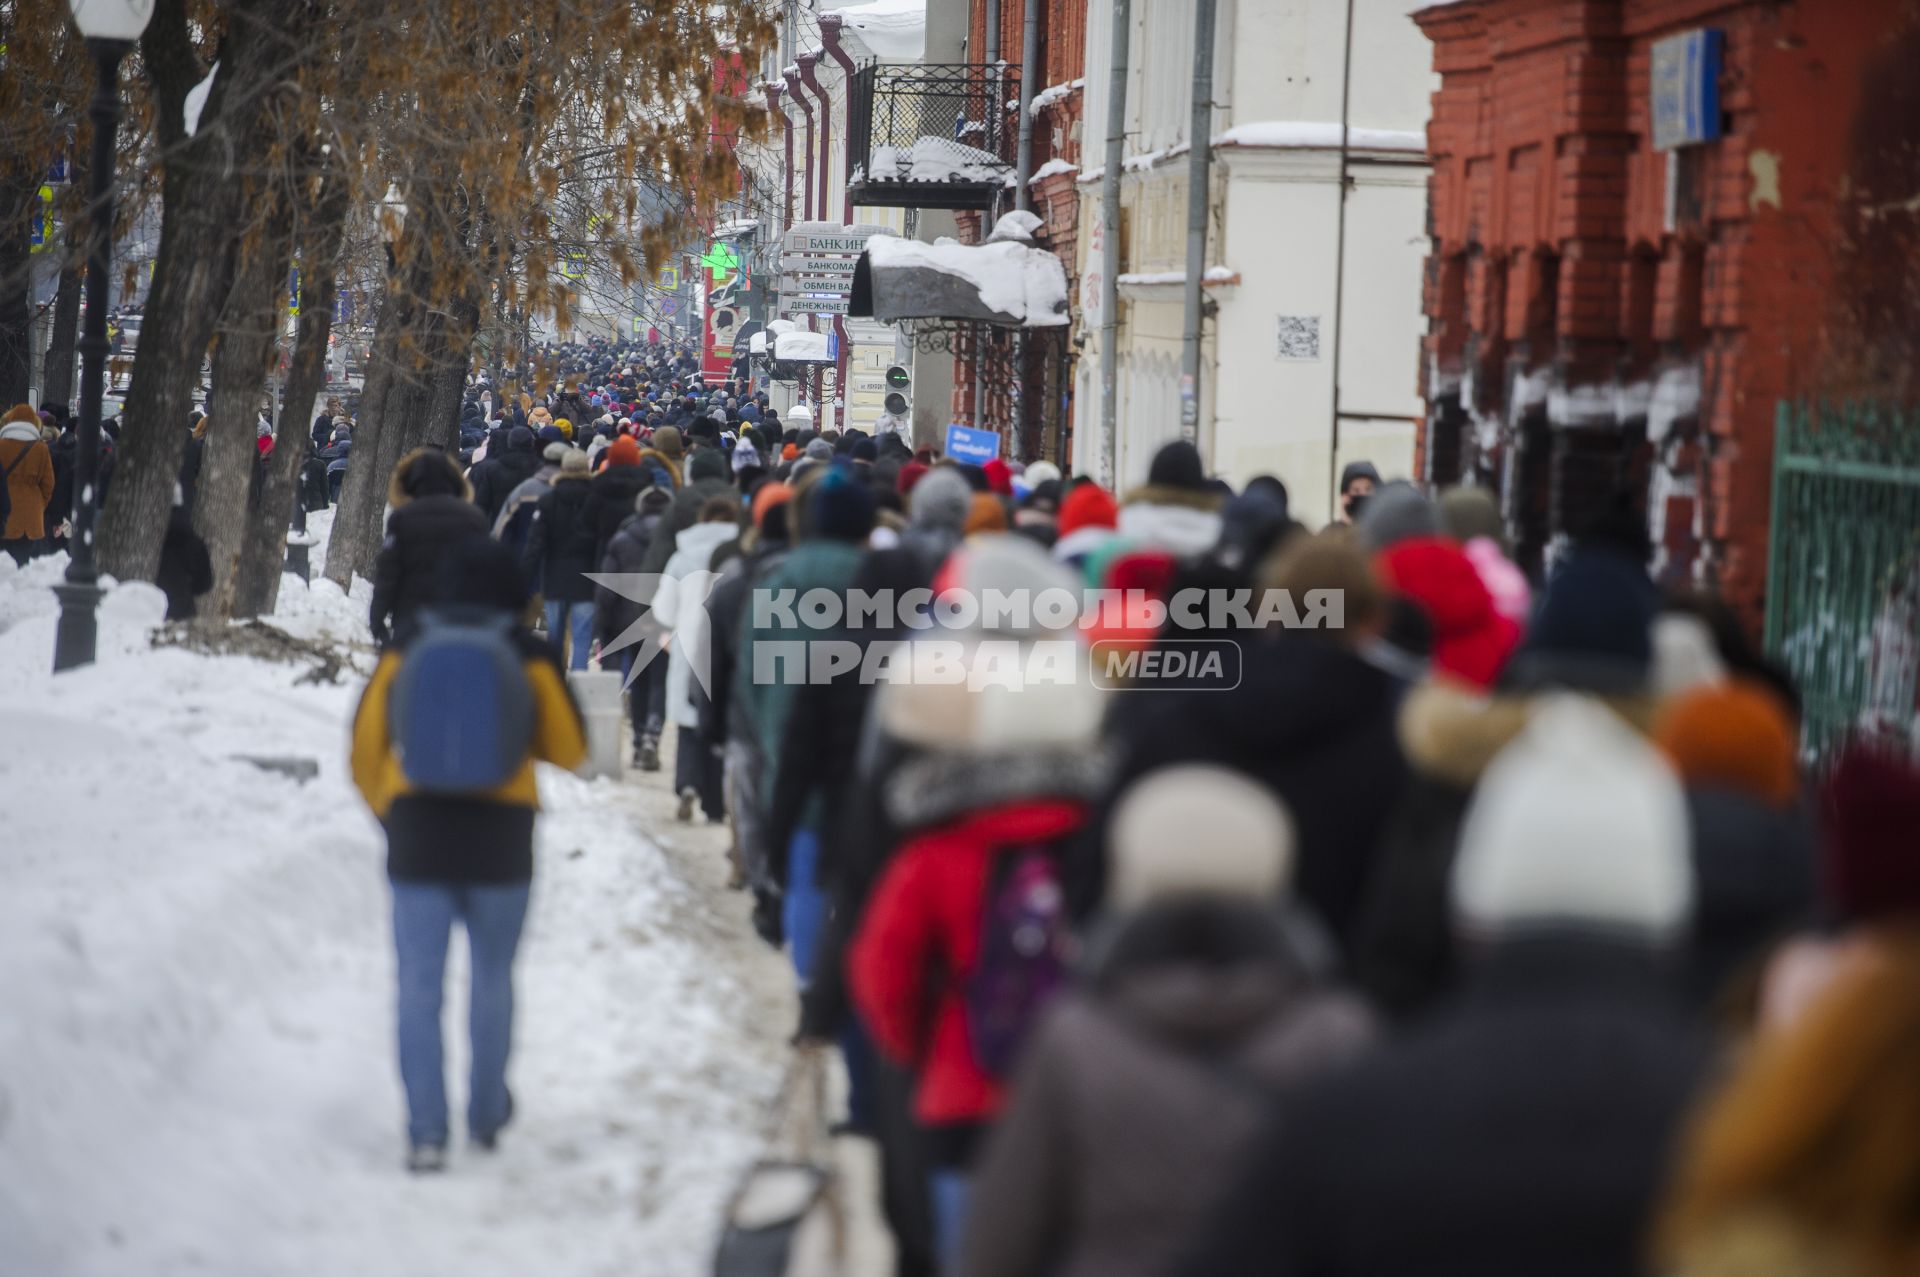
1145 1084
680 607
433 511
1525 1127
621 628
26 483
560 553
449 773
495 478
1804 1165
186 569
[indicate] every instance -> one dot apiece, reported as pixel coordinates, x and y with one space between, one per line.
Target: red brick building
1043 410
1611 320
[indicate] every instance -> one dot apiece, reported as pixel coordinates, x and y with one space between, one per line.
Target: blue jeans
805 905
423 915
579 618
949 1191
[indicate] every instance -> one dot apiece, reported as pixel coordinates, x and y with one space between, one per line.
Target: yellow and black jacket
455 838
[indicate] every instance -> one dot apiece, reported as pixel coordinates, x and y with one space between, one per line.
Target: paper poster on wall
1299 337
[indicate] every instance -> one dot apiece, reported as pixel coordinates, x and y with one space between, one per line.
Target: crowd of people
1489 922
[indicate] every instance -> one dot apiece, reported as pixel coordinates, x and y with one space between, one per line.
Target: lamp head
111 19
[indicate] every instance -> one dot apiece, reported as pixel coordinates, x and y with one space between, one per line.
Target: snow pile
1055 93
1051 167
1317 135
937 159
892 30
196 1059
1019 283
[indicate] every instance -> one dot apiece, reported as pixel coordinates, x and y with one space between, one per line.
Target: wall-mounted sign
1685 88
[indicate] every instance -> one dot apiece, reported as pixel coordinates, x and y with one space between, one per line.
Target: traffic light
899 384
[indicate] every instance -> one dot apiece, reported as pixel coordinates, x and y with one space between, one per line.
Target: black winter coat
1314 723
186 569
495 478
680 516
615 614
611 495
406 572
559 550
1524 1131
1754 884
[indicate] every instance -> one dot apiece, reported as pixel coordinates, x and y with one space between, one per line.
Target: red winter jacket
919 940
1471 640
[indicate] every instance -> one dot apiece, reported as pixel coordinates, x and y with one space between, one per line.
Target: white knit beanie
1577 824
1197 830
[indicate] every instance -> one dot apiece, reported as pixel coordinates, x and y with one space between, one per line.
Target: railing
1843 568
932 136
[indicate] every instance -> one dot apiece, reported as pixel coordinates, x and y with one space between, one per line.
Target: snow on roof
739 226
1011 276
937 159
1315 134
801 348
1054 93
892 30
1052 166
778 326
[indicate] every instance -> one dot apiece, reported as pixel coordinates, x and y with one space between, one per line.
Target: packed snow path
196 1046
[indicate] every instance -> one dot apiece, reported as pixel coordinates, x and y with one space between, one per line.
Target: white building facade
1310 350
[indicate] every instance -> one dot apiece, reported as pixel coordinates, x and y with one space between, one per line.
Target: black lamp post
110 28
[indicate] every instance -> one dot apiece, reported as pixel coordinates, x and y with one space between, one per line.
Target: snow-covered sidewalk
196 1060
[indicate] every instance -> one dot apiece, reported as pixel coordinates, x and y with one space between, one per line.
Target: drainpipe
773 92
1110 243
830 24
1199 172
1340 267
1023 194
806 108
825 154
990 129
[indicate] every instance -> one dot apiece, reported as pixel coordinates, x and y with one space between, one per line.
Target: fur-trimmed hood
1451 731
941 787
1182 521
398 496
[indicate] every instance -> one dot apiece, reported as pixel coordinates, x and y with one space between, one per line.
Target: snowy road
195 1044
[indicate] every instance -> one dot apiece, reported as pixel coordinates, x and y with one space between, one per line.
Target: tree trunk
56 383
264 552
204 202
249 328
19 204
356 519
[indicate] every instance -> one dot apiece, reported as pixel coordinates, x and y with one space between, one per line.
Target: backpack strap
14 464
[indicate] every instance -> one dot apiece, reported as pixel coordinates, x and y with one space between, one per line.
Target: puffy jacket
611 497
919 943
407 568
474 839
495 478
559 550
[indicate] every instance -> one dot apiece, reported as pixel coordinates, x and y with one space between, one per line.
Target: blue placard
1686 89
975 447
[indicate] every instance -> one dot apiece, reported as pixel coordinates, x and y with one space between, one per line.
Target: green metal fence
1843 567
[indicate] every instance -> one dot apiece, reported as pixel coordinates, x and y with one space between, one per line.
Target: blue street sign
975 447
1685 87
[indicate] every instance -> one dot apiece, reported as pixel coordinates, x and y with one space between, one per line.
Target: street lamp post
110 27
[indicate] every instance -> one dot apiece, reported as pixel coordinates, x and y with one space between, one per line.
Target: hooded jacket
495 478
560 546
1185 522
680 605
1144 1090
614 614
406 570
30 483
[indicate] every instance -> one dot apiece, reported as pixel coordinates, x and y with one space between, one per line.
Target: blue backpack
461 708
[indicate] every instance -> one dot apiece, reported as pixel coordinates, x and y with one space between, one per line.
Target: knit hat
1397 512
1732 736
1040 472
556 452
564 426
1592 629
706 463
1870 810
941 500
1088 506
767 497
1197 830
1471 641
910 474
1685 655
1013 565
666 441
1577 824
551 434
864 449
999 476
1466 513
1177 465
985 514
520 439
841 508
790 452
818 450
574 464
623 451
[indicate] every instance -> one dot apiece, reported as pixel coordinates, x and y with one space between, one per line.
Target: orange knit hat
1734 736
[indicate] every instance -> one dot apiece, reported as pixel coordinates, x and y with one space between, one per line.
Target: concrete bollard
598 692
